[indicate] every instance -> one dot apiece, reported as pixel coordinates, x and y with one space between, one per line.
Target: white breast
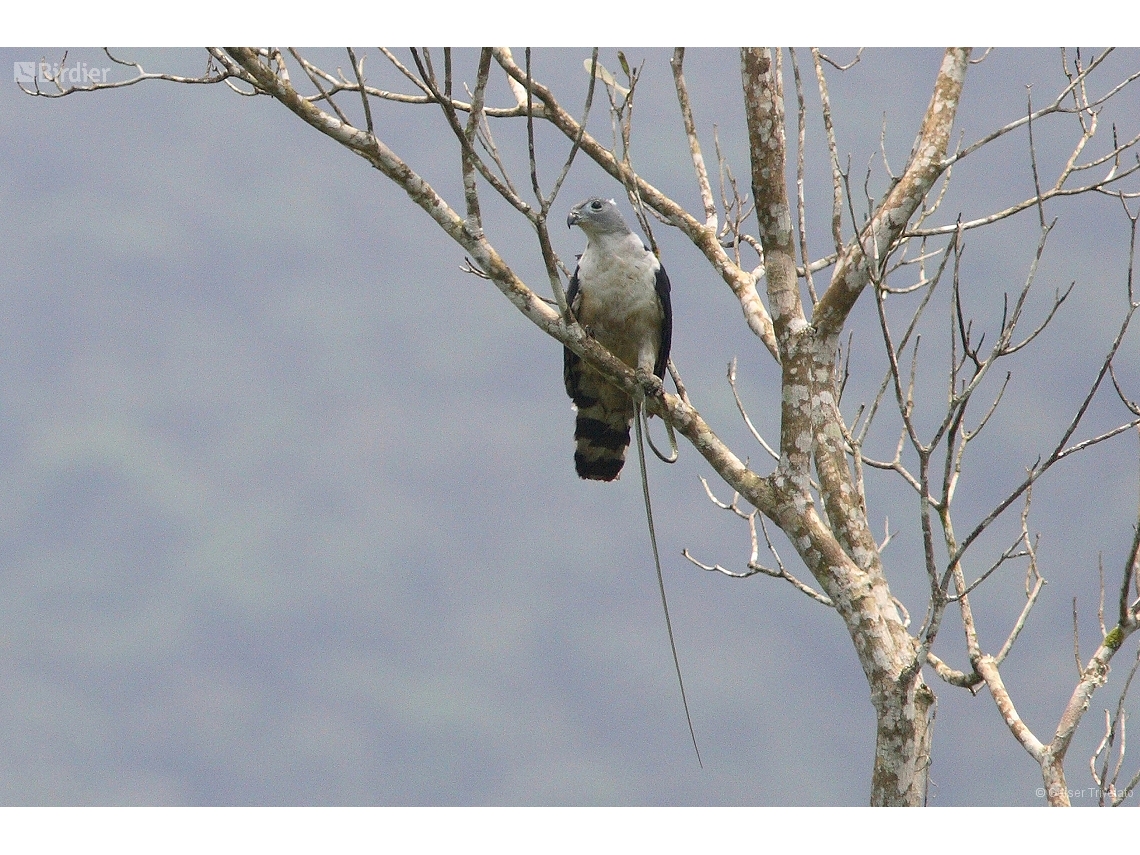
617 282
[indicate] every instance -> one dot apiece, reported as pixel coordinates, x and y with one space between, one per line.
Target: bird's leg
650 384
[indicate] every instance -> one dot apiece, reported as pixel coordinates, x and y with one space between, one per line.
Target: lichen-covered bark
902 745
840 550
1093 676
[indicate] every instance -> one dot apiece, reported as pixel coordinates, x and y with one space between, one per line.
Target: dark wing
570 359
662 288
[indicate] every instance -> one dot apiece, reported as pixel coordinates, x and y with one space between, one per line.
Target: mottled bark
840 552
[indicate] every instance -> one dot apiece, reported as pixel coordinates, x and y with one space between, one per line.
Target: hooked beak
572 219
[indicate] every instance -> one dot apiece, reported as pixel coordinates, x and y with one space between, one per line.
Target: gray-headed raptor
620 294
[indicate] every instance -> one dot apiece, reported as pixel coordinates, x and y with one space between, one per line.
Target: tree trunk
903 732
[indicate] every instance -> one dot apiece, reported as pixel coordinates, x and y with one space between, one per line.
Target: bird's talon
650 383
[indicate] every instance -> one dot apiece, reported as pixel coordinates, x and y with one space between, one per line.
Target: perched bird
620 294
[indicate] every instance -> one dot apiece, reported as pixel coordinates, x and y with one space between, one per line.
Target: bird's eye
597 206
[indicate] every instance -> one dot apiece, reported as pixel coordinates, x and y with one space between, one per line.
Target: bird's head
597 216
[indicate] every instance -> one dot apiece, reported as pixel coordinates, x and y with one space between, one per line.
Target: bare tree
902 250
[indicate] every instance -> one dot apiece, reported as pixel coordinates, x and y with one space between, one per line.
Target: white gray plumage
620 294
